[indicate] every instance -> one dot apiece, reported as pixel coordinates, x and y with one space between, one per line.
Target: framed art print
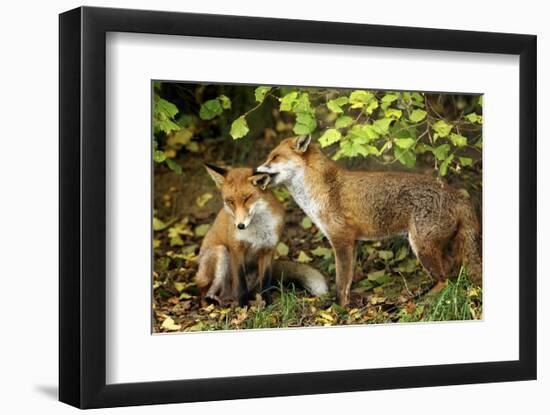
282 205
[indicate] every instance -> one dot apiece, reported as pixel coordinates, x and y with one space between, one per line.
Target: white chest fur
261 233
302 196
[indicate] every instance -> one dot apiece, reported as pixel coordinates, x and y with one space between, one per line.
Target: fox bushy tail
467 240
308 277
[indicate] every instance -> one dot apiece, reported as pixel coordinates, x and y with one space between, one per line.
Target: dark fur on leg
243 290
266 285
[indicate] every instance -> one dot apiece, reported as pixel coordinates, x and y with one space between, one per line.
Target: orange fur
230 251
357 205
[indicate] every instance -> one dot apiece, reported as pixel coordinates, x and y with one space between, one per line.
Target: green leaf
479 143
443 167
417 115
404 143
302 104
225 102
201 230
417 97
159 225
260 93
408 265
405 157
335 105
329 137
166 125
385 255
159 156
210 109
388 99
440 152
382 126
305 123
458 140
351 148
173 166
474 118
402 253
306 223
175 240
339 309
359 98
441 128
282 249
343 121
362 134
376 276
164 107
392 112
192 146
288 101
180 286
321 251
239 128
281 193
465 161
371 106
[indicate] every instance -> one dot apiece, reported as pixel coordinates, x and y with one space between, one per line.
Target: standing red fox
236 255
356 205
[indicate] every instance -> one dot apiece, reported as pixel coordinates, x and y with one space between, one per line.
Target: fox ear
301 143
260 180
217 173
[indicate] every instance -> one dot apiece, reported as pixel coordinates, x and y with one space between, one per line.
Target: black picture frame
82 283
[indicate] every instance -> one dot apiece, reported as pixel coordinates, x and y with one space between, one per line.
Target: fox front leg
238 281
265 274
343 251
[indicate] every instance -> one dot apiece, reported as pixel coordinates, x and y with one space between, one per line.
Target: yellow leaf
303 257
169 324
326 316
170 153
180 286
203 199
196 327
209 309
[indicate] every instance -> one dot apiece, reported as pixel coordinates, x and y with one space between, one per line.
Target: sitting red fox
356 205
236 255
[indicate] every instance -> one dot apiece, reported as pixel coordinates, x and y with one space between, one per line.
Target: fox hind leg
213 275
430 254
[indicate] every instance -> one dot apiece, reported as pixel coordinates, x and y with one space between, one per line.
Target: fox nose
240 226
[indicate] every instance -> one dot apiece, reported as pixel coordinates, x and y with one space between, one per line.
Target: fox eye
275 157
247 198
229 202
